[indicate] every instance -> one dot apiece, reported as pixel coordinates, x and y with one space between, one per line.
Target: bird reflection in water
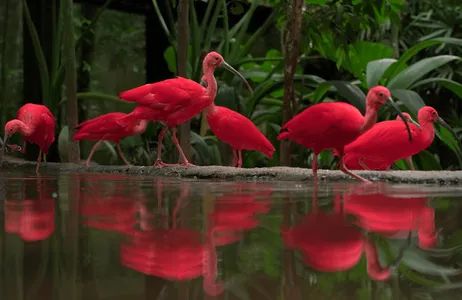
108 207
330 243
236 212
385 210
32 220
173 253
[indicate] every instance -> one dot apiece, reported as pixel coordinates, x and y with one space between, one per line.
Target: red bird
379 209
36 124
353 162
237 131
174 101
329 243
387 142
106 128
332 125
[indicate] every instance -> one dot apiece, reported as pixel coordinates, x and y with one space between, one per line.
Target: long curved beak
415 123
445 125
225 65
396 108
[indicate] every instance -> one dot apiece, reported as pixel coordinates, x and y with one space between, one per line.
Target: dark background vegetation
343 48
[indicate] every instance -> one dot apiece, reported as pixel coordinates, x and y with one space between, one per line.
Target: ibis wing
168 95
49 128
388 140
103 124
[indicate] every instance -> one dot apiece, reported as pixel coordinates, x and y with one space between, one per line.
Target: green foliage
400 78
51 79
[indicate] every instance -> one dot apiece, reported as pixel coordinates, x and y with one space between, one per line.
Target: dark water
102 236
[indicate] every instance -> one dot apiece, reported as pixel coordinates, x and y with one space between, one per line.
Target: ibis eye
380 94
216 58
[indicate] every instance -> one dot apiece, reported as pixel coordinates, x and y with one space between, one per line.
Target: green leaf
396 67
376 69
318 2
170 58
446 137
101 97
63 142
415 259
428 161
410 99
361 53
226 97
451 85
350 92
42 64
418 70
109 147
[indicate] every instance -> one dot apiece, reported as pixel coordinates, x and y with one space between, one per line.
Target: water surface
105 236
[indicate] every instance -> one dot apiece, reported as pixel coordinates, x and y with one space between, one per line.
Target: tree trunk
71 83
182 60
395 40
88 12
291 36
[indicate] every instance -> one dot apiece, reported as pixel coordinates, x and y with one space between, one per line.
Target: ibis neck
210 110
139 129
25 129
370 118
427 130
212 87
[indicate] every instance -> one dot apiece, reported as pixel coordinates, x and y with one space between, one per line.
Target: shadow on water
99 236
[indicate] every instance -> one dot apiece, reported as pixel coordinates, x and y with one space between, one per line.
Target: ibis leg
234 158
346 171
23 149
39 159
178 147
239 162
87 163
122 155
314 167
409 163
159 161
362 163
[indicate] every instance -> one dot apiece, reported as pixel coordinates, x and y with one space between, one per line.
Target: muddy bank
229 173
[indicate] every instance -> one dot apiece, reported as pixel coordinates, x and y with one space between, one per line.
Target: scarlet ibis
33 220
173 253
36 124
333 125
237 131
387 142
106 128
174 101
330 244
354 162
235 213
381 210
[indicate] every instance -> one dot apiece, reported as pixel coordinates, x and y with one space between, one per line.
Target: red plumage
332 125
387 142
173 101
328 125
106 128
36 124
237 131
